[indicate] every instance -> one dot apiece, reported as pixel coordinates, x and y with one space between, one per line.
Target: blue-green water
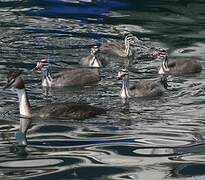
160 138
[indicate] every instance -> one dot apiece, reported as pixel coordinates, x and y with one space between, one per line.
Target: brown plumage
182 66
147 88
75 77
69 110
118 49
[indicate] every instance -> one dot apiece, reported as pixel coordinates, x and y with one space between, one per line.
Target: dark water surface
161 138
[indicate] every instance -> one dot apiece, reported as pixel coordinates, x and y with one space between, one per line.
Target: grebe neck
47 78
24 105
127 47
165 64
94 62
125 87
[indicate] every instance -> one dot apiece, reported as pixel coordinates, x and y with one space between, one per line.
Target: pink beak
155 55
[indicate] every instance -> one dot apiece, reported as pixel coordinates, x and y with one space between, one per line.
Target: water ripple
155 138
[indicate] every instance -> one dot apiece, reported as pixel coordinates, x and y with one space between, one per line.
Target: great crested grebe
143 88
68 110
177 67
67 78
118 49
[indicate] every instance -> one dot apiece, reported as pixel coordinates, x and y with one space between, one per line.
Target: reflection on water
156 138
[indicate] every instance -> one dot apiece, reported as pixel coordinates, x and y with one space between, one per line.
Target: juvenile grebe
143 88
68 110
178 67
118 49
91 60
67 78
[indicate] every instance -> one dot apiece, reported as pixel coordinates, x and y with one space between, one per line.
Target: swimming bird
118 49
91 60
143 88
68 110
67 78
177 67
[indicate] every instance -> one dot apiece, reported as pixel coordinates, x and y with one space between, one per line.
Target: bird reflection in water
21 139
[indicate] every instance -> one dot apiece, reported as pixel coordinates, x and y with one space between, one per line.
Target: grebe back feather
68 110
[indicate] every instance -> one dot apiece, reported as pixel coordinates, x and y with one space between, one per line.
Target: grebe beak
35 69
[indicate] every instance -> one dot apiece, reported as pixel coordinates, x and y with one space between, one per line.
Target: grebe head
122 74
94 62
41 64
159 54
93 50
131 39
14 80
